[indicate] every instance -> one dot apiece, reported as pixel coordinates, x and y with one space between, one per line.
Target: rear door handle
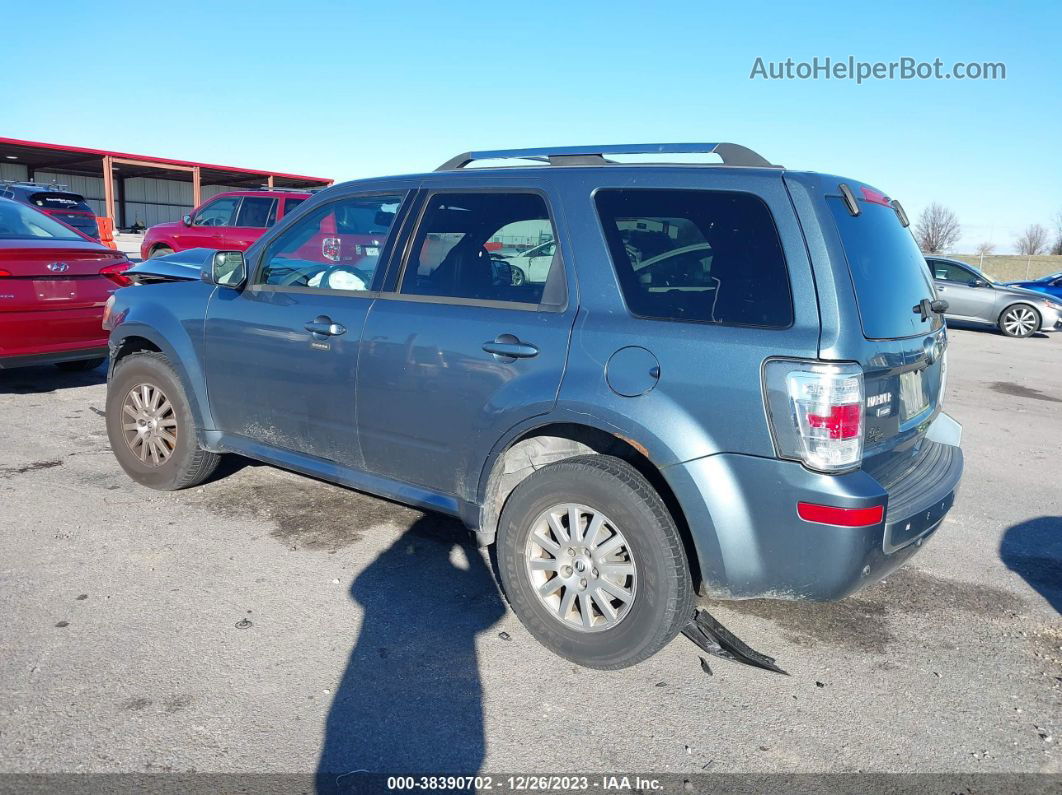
510 346
323 325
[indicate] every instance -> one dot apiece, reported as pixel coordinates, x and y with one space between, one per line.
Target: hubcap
581 567
149 424
1020 321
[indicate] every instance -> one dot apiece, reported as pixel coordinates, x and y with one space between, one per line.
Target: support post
269 182
108 187
197 196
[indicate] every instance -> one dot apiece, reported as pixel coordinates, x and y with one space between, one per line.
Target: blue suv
729 378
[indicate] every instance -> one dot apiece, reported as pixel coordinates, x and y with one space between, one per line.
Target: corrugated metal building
173 188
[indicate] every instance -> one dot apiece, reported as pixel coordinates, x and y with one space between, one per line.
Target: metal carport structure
116 168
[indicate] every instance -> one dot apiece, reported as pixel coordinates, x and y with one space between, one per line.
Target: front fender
170 316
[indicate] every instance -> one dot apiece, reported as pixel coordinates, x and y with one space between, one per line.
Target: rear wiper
925 308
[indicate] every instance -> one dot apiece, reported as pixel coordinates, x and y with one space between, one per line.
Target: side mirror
979 283
226 269
187 220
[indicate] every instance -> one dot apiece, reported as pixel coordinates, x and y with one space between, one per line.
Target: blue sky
351 89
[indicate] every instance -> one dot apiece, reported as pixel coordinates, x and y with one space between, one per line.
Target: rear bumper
742 513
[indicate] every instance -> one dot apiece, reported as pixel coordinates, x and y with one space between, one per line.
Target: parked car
533 265
693 395
974 297
232 220
54 282
56 201
1050 285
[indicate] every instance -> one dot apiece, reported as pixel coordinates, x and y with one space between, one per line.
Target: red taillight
843 422
4 273
116 273
842 517
816 411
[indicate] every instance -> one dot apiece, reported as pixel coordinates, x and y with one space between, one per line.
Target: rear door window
454 251
890 274
257 211
698 256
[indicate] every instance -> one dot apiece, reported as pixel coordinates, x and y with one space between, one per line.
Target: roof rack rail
267 189
731 154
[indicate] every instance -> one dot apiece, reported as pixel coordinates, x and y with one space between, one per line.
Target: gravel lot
265 621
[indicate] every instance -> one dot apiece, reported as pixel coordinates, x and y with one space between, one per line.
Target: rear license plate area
913 399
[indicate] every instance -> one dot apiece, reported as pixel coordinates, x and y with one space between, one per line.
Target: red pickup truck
231 221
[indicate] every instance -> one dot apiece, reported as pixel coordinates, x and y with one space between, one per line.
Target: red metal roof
19 146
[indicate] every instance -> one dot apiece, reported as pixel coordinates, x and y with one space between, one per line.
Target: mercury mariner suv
728 379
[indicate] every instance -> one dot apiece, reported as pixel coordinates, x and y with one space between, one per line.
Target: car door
282 353
254 216
957 285
453 352
205 229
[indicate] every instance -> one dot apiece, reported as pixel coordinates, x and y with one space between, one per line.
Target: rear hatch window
59 201
889 273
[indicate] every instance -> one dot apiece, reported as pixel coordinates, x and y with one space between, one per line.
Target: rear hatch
903 355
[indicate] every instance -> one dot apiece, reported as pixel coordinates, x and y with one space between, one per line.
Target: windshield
19 222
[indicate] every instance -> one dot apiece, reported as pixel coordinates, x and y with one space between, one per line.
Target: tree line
938 229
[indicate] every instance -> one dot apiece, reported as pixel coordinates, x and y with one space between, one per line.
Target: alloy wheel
1020 321
149 424
581 567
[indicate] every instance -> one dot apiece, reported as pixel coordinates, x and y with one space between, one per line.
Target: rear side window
698 256
255 211
890 274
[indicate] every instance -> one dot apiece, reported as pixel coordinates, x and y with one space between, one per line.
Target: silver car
973 297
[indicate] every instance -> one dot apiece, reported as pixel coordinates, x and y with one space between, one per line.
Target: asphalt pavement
267 622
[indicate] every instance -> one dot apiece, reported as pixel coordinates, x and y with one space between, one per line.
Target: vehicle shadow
1033 549
410 698
41 380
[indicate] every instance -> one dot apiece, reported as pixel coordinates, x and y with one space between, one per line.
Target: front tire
151 427
1019 320
160 251
592 563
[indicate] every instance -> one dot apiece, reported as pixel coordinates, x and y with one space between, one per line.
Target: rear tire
80 366
648 596
151 427
1019 320
160 251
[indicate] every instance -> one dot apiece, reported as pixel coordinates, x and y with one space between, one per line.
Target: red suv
230 221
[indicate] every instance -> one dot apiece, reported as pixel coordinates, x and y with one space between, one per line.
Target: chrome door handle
324 326
510 346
